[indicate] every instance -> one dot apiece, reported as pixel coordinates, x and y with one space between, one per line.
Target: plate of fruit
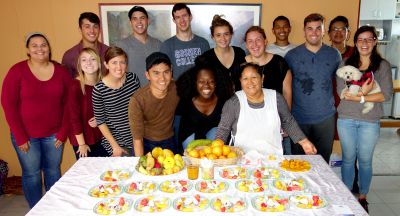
270 203
152 204
308 201
140 187
289 184
105 190
113 206
191 203
115 175
251 185
265 173
295 165
175 186
233 173
211 186
160 162
227 203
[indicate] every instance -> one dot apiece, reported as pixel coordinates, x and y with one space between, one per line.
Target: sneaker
363 202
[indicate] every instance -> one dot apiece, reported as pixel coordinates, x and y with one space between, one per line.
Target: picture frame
116 25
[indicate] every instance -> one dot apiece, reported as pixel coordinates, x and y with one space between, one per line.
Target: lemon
156 152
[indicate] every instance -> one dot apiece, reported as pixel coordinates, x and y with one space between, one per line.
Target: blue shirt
313 99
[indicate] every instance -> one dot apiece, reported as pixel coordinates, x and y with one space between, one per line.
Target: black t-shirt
193 121
274 73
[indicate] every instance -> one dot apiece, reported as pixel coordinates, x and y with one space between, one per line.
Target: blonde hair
81 73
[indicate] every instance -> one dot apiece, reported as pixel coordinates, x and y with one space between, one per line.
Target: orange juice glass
193 172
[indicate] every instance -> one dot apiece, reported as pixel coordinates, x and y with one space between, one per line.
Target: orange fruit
202 153
157 151
207 150
194 153
217 150
225 150
212 156
231 154
222 157
217 142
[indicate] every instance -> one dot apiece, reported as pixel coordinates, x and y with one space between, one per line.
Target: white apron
259 129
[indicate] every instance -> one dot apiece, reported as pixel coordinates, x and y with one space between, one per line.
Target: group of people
124 100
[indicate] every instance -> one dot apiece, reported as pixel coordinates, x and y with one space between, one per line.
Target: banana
199 142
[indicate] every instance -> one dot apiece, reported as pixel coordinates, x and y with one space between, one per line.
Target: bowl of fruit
227 203
140 187
252 185
289 184
270 203
175 186
211 186
217 151
295 165
308 201
233 173
113 206
191 203
152 204
105 190
115 175
160 162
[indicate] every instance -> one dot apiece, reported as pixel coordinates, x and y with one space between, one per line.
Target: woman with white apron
254 117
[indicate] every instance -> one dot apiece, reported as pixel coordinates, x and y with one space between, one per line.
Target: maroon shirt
80 108
35 108
70 57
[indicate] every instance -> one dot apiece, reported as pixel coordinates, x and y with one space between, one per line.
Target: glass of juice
193 171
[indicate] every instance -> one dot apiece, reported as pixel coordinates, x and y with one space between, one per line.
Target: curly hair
186 83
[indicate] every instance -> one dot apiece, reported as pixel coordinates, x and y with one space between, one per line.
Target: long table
69 196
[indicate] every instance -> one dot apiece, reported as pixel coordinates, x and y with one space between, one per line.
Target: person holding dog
358 131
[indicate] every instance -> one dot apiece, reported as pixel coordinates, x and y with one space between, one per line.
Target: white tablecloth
69 196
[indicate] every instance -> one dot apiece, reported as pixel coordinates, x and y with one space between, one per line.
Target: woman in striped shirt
110 103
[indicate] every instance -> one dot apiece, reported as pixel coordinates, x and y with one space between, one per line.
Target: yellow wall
58 19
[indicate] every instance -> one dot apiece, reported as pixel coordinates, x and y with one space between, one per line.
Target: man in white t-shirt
281 29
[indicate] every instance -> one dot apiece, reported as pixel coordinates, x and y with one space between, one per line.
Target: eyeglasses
342 29
367 40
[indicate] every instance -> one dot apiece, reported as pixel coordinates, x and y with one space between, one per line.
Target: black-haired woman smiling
254 116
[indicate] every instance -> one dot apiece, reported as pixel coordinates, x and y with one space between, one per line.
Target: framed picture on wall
116 24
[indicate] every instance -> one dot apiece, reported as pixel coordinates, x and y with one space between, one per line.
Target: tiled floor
383 198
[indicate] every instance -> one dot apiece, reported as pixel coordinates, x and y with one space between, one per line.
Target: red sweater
80 109
35 108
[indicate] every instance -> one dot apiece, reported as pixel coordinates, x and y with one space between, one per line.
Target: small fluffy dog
354 80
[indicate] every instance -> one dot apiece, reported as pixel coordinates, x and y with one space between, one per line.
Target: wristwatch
362 99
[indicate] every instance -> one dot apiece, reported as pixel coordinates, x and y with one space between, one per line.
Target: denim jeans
358 140
41 156
286 145
169 143
210 135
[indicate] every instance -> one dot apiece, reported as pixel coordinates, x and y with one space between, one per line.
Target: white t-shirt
279 50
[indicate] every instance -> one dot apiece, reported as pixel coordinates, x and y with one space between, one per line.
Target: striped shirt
110 107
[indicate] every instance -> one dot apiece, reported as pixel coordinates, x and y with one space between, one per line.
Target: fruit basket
217 161
160 162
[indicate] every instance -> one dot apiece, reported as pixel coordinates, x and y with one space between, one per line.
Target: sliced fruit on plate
270 203
295 165
113 206
175 186
105 190
308 201
233 173
288 184
266 173
115 175
251 185
191 203
211 186
227 203
152 204
141 187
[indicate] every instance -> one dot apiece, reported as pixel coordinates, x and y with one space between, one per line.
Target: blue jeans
358 140
210 135
286 145
41 156
169 143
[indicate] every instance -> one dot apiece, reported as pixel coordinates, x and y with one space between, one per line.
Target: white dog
354 80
